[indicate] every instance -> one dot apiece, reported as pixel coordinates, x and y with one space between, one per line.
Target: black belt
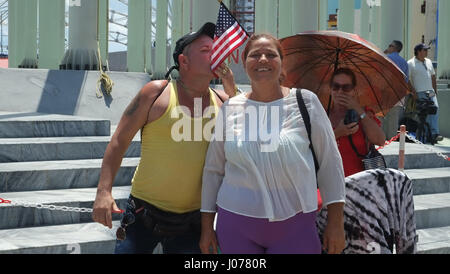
164 223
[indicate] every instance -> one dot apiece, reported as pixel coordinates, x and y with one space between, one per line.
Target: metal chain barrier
393 139
44 206
430 148
50 207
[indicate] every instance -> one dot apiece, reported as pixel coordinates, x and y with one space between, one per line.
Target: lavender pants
238 234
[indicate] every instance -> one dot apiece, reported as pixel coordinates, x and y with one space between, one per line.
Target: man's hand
103 206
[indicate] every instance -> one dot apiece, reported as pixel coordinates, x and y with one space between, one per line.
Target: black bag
373 160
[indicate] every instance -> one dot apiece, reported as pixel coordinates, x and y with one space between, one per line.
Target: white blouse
259 163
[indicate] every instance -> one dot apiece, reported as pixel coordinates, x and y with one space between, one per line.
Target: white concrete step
434 240
15 216
52 175
432 210
32 125
430 180
88 238
58 148
416 156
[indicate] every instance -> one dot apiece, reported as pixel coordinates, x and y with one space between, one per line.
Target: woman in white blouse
259 174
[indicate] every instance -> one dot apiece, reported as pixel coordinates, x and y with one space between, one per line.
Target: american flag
228 37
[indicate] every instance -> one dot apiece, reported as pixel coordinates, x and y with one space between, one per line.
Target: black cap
421 47
207 29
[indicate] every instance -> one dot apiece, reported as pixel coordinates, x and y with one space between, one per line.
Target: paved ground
444 143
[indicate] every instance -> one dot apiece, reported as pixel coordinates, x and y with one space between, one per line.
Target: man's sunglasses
345 88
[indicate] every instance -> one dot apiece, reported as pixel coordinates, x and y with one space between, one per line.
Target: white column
374 19
139 35
204 11
187 16
365 13
161 39
444 40
346 15
103 30
286 15
431 28
305 15
323 14
51 33
22 22
82 52
392 22
266 15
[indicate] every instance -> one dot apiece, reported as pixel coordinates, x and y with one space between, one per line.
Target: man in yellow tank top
165 198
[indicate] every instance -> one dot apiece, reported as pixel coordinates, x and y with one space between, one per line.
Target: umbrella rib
371 87
368 62
323 41
314 39
306 70
301 50
382 75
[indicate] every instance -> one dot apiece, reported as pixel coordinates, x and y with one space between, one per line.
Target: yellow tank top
173 151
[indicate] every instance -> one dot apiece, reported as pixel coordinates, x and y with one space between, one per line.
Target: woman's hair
256 37
345 71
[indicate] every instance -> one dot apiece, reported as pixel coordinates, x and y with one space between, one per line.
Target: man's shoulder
154 88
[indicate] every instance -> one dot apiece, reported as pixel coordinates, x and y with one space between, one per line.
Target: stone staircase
54 159
430 175
443 85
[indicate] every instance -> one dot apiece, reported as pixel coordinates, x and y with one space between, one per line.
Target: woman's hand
343 130
348 102
208 241
334 235
227 77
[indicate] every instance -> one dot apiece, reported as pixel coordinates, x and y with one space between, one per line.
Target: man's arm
133 119
434 83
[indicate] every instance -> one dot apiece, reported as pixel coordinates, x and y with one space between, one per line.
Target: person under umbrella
313 57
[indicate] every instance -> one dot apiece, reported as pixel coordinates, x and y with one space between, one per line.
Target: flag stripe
225 40
226 34
230 49
230 44
229 35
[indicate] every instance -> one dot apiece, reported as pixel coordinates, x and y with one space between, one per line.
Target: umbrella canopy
312 57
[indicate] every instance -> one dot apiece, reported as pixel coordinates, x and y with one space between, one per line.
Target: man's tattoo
133 106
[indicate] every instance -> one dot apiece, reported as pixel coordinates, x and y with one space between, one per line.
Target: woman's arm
371 129
330 176
213 173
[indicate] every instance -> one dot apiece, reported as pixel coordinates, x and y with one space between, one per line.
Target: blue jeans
432 120
139 240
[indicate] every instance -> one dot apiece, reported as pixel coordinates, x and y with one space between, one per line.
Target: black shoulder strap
218 95
306 119
354 147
